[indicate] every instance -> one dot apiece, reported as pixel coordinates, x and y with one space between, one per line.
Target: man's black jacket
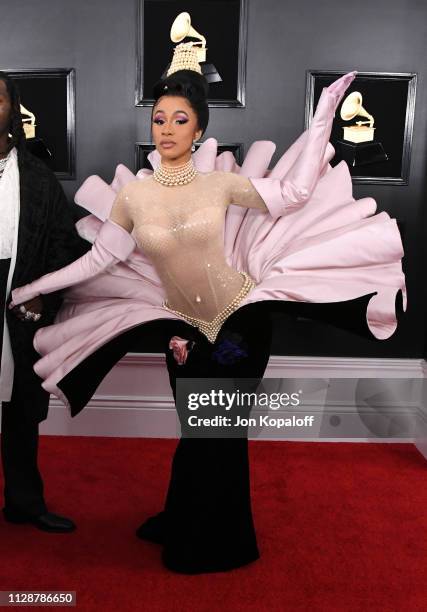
47 241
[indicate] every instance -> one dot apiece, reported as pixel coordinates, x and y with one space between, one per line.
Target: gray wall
97 38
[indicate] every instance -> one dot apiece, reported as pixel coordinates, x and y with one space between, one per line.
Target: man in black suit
40 238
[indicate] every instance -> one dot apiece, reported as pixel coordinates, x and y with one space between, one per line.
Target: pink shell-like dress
332 249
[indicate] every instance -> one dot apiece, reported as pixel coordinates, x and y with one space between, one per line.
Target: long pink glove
296 187
113 243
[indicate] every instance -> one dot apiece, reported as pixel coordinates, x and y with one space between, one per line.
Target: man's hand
35 305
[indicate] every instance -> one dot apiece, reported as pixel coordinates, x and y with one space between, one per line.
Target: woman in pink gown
201 262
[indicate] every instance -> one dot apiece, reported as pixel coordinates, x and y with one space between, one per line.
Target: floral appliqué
180 347
230 349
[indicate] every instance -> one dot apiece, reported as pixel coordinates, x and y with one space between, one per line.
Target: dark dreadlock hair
16 128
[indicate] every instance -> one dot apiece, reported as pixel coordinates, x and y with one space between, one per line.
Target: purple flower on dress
230 349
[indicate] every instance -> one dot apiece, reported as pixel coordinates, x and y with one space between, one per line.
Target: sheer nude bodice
180 229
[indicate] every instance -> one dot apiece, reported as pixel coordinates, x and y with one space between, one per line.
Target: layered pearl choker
177 175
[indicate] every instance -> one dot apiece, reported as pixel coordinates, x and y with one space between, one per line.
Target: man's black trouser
23 490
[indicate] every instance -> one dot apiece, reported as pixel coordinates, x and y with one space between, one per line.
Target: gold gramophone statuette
359 132
28 122
186 55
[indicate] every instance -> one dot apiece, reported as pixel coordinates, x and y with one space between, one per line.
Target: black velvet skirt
208 523
207 518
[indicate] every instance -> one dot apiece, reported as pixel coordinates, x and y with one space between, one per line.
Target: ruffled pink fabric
334 248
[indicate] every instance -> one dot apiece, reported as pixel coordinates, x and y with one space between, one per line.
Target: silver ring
32 315
23 309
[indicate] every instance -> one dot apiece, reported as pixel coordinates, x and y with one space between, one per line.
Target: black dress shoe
46 521
153 529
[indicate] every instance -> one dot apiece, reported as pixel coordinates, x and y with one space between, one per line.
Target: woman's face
174 128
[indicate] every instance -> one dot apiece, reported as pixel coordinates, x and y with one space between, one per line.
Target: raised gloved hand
293 189
337 89
113 244
298 184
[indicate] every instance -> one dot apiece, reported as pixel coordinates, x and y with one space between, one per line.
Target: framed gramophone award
48 114
218 28
373 125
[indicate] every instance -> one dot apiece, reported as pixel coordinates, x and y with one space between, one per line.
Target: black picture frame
224 25
390 98
144 148
49 93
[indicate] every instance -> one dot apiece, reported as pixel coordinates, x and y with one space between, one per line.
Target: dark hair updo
190 85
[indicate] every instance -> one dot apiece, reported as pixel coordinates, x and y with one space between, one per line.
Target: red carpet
341 526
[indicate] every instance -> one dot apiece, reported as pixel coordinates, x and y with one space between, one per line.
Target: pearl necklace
176 175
